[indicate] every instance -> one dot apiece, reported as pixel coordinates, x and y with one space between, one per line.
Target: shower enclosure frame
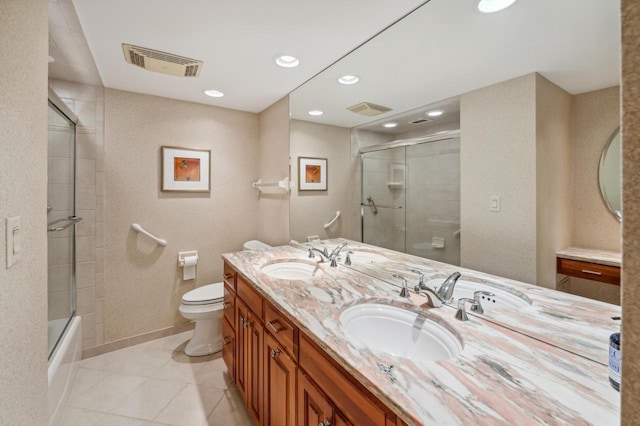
61 108
400 143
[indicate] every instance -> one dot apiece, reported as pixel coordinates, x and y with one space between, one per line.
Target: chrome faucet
477 307
461 314
323 256
445 291
421 285
405 286
433 299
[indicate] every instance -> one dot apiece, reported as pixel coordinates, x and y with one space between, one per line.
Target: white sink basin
502 299
399 332
291 270
366 257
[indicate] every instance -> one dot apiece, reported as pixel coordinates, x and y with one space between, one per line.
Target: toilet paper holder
185 254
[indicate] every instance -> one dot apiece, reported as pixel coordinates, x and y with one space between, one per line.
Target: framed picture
312 174
185 169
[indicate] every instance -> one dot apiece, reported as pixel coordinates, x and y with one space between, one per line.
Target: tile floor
154 383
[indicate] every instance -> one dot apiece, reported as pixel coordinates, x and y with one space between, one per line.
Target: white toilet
204 305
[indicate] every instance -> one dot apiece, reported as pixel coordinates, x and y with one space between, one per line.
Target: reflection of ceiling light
287 61
491 6
348 79
214 93
436 113
389 125
315 112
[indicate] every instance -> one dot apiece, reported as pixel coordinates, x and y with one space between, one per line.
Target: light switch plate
14 240
494 203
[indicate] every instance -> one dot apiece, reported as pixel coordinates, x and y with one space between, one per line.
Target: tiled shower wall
87 102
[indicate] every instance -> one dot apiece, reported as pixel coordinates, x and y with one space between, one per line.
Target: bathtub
63 366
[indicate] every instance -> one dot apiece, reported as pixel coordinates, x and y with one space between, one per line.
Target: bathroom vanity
590 264
296 362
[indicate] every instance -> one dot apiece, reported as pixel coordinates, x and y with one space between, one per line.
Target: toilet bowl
205 306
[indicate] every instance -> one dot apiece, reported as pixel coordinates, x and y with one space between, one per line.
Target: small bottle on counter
615 360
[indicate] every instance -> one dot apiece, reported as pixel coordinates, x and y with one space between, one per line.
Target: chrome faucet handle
461 314
421 284
311 253
433 299
477 307
405 286
347 261
325 250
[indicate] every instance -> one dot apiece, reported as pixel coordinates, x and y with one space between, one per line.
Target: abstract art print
185 169
312 174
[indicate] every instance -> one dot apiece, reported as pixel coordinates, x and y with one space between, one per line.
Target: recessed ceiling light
491 6
436 113
287 61
389 125
315 112
348 79
214 93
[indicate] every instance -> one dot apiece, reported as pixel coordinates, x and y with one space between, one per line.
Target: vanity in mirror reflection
517 187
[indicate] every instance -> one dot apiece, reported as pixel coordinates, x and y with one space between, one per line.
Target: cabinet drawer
348 397
281 329
229 348
229 304
229 275
251 297
590 271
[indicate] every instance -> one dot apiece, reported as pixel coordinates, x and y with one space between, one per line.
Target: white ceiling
447 48
236 39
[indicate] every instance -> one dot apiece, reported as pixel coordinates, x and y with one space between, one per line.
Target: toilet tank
255 245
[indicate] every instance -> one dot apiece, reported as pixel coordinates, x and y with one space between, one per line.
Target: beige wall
310 210
596 115
23 191
273 204
553 177
631 207
497 158
143 283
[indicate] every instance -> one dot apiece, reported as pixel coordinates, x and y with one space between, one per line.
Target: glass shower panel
60 229
433 200
383 198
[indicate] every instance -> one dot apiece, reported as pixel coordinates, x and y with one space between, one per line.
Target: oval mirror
610 173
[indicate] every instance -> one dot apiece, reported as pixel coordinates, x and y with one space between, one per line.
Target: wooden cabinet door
314 409
279 385
341 420
242 333
229 347
255 361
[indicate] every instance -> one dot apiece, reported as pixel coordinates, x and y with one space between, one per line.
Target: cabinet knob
275 352
325 422
228 276
246 323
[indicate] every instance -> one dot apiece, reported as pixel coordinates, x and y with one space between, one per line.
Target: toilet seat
206 295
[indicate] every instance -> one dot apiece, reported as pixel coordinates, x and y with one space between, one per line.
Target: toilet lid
207 294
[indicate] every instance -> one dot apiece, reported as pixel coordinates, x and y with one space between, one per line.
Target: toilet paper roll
189 268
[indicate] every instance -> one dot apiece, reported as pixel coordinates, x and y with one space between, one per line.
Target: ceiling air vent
162 62
420 121
368 109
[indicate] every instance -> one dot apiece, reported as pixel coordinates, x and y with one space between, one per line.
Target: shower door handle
71 220
380 207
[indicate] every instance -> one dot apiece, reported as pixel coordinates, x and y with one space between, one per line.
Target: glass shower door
433 200
383 198
60 224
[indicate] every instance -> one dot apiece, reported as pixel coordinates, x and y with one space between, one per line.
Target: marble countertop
602 257
501 376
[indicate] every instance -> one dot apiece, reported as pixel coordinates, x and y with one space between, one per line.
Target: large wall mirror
424 63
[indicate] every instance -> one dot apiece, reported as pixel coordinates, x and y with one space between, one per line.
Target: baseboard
136 340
